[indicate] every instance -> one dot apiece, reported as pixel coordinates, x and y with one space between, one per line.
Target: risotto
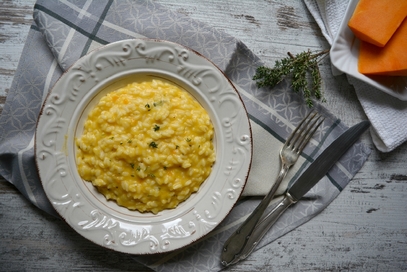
148 146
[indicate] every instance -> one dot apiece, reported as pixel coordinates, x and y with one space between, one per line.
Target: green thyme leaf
303 69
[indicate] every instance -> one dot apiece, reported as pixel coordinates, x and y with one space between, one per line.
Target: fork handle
238 240
265 224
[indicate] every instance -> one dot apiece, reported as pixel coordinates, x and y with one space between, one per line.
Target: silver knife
315 172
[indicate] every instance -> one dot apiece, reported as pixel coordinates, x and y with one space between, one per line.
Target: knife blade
315 172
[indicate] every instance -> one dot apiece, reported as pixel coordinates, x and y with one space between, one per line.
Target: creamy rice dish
148 146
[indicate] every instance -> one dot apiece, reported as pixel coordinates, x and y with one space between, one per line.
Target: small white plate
344 56
79 203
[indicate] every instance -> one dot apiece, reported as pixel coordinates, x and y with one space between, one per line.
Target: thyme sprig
304 71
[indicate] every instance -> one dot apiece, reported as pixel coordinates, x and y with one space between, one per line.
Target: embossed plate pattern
344 56
78 202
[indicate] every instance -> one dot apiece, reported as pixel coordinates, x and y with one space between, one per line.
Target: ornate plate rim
344 56
104 222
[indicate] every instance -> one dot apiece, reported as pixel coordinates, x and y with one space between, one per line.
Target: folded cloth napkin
64 31
387 114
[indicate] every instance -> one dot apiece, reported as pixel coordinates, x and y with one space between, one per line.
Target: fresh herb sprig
304 71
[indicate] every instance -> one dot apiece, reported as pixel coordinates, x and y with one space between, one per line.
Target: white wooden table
364 229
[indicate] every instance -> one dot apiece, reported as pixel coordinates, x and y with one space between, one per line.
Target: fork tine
314 126
304 129
294 133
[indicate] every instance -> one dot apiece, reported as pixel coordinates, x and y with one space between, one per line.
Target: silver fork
289 154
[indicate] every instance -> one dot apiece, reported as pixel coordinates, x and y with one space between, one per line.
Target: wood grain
364 229
15 19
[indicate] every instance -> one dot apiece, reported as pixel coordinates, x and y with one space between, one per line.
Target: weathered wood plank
15 19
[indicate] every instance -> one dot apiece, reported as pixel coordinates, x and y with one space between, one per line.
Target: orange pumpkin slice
390 60
375 21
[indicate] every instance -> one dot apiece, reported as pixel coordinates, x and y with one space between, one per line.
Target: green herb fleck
129 141
153 145
138 168
156 127
165 167
132 165
151 175
188 140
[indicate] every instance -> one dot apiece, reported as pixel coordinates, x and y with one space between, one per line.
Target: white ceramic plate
344 56
79 203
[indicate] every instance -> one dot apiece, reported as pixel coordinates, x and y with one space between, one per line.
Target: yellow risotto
148 146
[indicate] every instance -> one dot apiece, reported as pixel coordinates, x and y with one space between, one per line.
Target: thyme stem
303 69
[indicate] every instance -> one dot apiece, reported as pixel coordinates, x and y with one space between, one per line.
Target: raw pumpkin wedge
375 21
390 60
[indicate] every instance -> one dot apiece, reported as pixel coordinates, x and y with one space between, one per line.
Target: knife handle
265 224
238 240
